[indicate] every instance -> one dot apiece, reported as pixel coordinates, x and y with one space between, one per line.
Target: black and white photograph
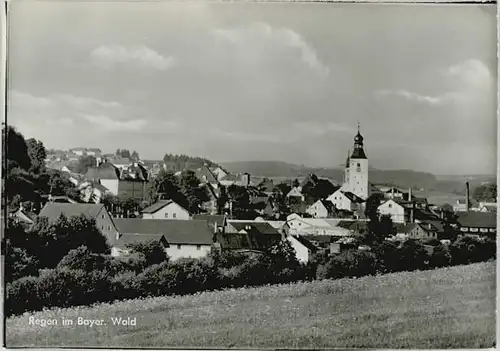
249 175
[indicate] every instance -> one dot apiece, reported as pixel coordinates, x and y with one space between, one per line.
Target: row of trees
26 177
185 190
134 155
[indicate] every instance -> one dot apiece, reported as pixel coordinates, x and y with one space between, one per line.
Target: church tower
346 174
358 169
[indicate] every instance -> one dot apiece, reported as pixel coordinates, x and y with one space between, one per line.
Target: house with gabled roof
53 211
477 224
304 249
217 223
345 200
130 182
296 194
424 230
321 209
297 225
166 209
183 239
248 235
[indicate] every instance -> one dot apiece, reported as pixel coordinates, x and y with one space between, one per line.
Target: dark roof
328 205
267 185
261 227
136 238
205 172
175 231
105 171
477 219
211 219
53 210
158 206
435 226
305 242
322 239
358 153
100 187
353 197
121 161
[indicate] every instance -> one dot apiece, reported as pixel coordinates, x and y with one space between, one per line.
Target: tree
166 185
37 155
222 200
152 250
194 193
296 183
16 150
485 192
62 236
84 163
135 156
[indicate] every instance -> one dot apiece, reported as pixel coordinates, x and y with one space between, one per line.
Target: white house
345 200
321 209
296 225
296 192
397 212
303 247
183 239
165 209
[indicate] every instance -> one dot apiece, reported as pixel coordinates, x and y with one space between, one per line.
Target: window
178 247
390 205
198 247
109 227
102 227
166 215
174 215
359 165
102 216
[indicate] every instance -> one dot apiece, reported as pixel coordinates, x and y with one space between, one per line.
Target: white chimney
117 235
409 194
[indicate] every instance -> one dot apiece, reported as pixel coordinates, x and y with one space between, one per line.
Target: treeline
485 192
186 190
26 177
182 162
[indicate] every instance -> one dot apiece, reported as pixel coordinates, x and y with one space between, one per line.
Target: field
447 308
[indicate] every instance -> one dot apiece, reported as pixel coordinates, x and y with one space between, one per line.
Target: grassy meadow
447 308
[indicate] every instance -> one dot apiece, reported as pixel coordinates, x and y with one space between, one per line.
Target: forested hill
401 178
180 162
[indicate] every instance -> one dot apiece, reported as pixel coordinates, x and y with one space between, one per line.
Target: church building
356 171
355 189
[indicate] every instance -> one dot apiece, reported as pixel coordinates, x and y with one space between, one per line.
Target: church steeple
358 151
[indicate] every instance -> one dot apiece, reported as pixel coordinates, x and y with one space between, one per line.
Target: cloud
108 124
258 40
411 96
139 56
467 84
36 115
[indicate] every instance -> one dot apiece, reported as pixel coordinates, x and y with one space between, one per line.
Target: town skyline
266 87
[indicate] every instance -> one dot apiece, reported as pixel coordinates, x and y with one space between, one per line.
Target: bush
467 250
351 263
387 254
18 264
440 257
153 252
21 296
82 259
412 256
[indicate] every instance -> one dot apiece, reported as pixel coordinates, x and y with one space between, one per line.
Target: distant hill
400 178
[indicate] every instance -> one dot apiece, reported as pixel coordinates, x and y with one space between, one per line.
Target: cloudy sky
241 81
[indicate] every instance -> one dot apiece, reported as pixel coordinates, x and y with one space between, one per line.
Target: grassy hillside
447 308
